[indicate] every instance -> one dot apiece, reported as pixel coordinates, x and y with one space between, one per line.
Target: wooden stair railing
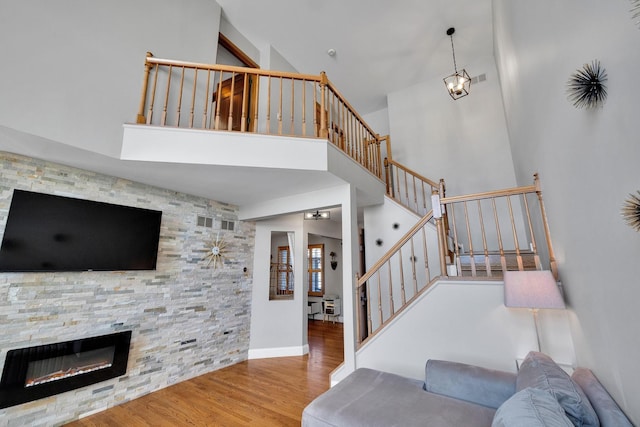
399 277
491 234
407 187
228 98
423 254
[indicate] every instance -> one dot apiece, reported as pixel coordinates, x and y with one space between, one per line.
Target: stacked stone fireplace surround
186 318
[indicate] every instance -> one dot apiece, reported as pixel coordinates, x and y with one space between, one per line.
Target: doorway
236 94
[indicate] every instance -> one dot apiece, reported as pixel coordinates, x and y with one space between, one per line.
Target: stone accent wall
187 319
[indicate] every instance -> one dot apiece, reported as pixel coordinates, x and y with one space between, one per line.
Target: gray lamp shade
531 289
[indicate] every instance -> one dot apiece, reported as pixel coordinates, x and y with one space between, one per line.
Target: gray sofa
456 394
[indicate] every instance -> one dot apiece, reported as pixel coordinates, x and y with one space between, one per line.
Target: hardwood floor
261 392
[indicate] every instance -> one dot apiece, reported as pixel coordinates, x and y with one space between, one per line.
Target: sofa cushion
370 398
609 413
486 387
531 407
540 371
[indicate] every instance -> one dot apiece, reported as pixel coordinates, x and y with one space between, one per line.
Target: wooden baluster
388 178
206 101
456 245
245 103
515 235
145 83
153 95
369 317
487 260
390 281
231 95
471 255
292 130
280 109
163 119
380 304
268 105
401 268
218 98
256 90
193 98
412 260
316 125
503 259
426 255
343 127
534 246
415 193
397 182
304 107
178 108
406 187
424 199
356 297
547 231
392 308
379 158
365 144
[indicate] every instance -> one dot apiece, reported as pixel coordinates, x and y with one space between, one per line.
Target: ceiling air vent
479 79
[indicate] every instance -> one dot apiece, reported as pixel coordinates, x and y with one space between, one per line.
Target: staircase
477 236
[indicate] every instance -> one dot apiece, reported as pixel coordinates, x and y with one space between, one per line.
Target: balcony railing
227 98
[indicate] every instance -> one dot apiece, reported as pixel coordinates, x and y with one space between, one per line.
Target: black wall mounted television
46 233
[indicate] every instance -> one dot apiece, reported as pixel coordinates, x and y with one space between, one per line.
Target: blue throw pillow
540 371
531 407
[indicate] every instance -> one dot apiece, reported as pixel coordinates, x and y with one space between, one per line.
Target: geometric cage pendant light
459 83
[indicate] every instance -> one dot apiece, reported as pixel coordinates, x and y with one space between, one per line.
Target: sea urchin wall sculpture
635 11
631 211
586 88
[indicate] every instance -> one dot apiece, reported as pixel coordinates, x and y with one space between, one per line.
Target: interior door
231 103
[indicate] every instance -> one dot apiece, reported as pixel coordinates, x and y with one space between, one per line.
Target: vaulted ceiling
381 46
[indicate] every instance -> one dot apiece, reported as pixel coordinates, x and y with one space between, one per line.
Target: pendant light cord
455 67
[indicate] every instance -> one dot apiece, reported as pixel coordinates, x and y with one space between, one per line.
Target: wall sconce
317 215
459 83
334 263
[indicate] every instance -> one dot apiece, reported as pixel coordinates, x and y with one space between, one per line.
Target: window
283 272
315 253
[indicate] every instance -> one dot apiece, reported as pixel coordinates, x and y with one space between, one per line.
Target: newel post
324 128
442 238
387 175
143 98
547 232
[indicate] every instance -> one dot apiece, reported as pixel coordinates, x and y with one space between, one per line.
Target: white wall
430 133
72 70
278 326
465 322
588 164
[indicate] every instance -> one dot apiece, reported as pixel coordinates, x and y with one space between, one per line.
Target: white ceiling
381 46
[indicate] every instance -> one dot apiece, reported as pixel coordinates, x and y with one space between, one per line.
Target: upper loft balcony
252 134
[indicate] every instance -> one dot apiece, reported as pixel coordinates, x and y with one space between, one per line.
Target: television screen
54 233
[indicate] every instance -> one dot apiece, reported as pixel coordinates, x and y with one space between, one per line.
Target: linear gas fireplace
35 372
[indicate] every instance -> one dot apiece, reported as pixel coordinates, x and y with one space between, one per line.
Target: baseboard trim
265 353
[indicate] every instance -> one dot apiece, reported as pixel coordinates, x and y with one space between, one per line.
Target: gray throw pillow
540 371
531 407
